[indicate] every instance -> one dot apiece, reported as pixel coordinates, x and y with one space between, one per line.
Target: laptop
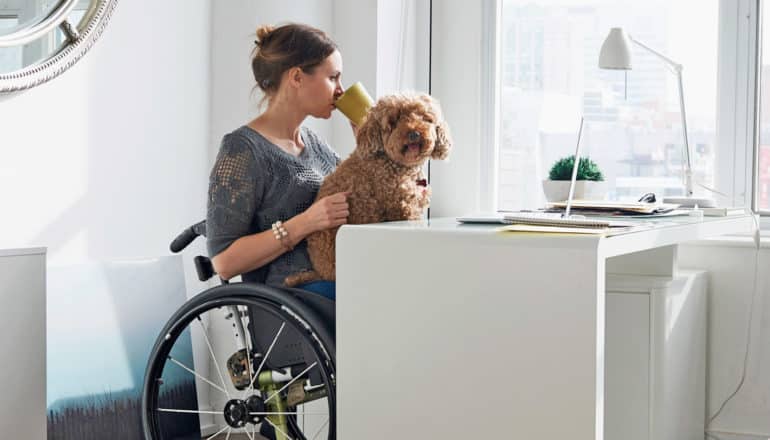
546 218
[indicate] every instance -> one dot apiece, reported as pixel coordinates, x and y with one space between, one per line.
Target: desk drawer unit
655 366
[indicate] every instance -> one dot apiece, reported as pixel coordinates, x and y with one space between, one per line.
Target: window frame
738 100
491 17
738 66
757 71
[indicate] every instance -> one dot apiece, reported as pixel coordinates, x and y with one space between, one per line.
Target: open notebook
542 219
600 207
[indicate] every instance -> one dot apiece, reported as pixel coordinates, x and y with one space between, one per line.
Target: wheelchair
268 362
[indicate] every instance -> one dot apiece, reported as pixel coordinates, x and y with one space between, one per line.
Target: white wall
369 33
108 160
234 99
732 297
402 46
384 46
355 31
456 82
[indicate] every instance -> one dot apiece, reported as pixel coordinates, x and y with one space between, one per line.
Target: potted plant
590 183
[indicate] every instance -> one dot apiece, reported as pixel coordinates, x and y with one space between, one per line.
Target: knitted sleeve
326 152
235 193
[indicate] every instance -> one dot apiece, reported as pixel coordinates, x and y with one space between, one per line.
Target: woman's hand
328 212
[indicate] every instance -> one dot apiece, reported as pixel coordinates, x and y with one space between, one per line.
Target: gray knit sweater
255 183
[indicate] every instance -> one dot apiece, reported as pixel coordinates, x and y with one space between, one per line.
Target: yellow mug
355 103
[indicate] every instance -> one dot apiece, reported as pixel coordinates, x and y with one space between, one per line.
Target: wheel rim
283 365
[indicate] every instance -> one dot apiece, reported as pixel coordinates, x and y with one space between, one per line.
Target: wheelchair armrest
204 267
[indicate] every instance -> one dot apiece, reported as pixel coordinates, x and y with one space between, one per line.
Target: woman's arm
256 250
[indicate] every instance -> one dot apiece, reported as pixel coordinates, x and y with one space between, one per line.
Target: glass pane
34 52
633 130
10 57
28 12
763 170
8 21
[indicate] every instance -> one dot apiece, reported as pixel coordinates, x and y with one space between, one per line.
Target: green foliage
587 169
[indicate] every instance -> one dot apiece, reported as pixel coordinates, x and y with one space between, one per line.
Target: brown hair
291 45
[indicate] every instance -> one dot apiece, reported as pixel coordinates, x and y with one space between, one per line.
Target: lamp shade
616 51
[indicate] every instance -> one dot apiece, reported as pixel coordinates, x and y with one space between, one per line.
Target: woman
268 172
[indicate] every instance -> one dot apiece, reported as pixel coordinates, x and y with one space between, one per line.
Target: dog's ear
443 138
443 141
379 121
369 135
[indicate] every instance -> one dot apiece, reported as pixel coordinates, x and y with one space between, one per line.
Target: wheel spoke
219 432
189 411
198 375
211 351
302 420
278 429
278 413
318 431
291 381
262 364
246 342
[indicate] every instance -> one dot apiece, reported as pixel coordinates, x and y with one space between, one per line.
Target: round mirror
39 39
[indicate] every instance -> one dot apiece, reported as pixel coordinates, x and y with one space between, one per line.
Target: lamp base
691 202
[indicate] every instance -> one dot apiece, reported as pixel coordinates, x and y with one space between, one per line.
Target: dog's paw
301 278
423 199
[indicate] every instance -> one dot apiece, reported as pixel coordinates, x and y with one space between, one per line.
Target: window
549 77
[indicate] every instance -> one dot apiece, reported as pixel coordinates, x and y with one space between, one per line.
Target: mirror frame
78 43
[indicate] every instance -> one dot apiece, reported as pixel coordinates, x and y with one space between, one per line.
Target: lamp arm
688 171
678 69
667 60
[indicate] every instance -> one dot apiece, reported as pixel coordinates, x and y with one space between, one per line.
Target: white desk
459 332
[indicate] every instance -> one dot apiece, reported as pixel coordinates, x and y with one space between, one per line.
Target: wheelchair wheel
263 363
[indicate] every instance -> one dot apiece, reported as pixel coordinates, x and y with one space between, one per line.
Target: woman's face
322 87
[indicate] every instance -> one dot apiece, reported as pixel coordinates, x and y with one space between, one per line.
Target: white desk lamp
616 54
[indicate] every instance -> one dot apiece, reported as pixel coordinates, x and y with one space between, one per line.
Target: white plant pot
558 190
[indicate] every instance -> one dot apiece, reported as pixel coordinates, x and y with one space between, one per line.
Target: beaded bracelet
282 235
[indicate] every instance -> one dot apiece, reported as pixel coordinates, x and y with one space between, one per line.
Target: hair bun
262 33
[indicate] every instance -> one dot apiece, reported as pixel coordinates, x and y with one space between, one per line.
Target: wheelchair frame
284 378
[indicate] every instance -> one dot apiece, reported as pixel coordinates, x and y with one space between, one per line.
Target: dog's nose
413 136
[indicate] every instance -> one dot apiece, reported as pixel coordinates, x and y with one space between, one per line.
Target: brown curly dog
384 174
